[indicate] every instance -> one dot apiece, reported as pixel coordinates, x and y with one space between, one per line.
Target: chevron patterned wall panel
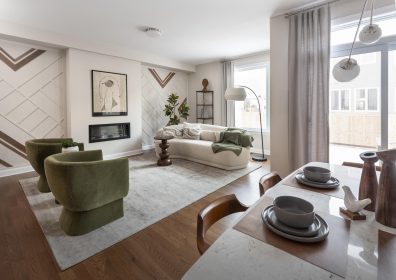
32 98
157 84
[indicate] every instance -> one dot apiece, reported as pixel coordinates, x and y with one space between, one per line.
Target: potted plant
174 111
69 146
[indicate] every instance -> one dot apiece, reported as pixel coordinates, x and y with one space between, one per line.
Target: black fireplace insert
108 132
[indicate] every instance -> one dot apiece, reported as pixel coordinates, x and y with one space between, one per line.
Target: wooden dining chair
212 213
268 181
358 165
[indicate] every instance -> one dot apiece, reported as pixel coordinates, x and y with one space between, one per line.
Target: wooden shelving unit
204 106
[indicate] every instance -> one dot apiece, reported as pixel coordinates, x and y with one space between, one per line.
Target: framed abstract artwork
109 94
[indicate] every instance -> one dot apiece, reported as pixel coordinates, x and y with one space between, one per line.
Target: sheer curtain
309 58
228 114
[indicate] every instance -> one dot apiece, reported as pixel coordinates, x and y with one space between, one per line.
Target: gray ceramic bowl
293 211
317 174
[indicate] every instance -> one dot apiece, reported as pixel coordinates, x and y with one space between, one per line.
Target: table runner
330 254
349 176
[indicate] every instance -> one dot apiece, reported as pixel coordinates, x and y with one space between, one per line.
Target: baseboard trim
24 169
258 151
124 154
15 170
148 147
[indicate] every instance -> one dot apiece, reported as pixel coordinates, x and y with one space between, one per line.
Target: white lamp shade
370 34
346 70
235 94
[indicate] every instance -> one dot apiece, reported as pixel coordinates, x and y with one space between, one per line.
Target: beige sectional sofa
200 150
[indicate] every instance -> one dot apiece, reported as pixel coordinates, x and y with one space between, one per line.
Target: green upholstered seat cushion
82 181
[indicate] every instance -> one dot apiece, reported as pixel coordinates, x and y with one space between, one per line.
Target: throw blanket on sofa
233 139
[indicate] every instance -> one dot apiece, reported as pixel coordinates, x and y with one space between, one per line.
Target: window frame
340 110
251 65
366 110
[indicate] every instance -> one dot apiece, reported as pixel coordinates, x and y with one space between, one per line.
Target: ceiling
194 32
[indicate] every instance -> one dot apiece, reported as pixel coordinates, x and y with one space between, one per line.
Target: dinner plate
310 231
321 235
331 184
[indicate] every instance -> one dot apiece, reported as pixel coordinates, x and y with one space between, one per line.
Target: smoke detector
153 32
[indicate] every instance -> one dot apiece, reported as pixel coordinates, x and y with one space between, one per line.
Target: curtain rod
310 8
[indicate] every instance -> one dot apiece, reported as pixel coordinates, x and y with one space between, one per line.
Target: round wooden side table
164 159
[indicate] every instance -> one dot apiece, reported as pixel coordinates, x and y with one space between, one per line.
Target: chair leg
42 185
79 223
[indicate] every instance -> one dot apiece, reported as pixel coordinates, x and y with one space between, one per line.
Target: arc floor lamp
239 94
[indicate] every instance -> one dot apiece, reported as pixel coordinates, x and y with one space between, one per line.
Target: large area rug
155 192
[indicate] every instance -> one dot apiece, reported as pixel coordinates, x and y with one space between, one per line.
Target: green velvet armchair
38 149
90 189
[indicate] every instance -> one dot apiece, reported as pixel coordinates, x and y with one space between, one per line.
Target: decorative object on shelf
174 111
109 94
239 94
385 208
348 69
69 146
164 159
352 204
368 181
205 84
204 103
370 33
161 82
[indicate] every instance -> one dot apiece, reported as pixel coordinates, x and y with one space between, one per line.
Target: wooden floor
164 250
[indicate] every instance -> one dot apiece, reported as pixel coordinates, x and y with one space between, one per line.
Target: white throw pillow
191 133
172 130
192 125
217 136
213 127
208 135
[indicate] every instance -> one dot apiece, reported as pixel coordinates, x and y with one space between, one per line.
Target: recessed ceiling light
153 32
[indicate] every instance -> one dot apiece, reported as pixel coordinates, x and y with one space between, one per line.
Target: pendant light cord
372 9
357 29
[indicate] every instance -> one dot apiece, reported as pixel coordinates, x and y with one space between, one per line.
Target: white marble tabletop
236 255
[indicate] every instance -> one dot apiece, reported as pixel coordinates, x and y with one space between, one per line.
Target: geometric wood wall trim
154 98
20 61
13 145
161 82
31 99
184 102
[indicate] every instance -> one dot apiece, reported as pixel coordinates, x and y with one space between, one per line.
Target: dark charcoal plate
320 236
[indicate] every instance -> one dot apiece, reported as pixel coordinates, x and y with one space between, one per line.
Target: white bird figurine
351 203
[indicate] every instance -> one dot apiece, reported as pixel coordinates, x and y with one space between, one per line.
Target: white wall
278 95
279 29
213 72
79 100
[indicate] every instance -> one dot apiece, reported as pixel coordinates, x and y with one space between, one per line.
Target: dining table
353 249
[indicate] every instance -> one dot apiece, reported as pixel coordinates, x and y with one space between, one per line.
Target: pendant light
370 33
348 69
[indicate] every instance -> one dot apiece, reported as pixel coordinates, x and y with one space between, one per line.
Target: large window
363 111
246 113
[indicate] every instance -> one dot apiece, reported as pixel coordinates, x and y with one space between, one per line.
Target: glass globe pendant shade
370 34
346 70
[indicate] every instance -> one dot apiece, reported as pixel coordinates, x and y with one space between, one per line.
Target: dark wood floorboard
164 250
